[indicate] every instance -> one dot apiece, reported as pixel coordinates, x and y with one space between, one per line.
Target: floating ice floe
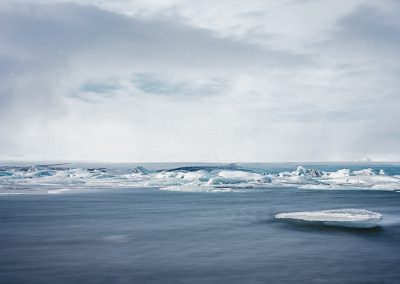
354 218
195 188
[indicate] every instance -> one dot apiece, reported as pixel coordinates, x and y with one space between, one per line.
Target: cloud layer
187 81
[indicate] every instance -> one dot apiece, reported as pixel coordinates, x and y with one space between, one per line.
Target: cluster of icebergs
196 178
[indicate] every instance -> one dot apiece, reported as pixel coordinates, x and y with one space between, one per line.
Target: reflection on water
142 236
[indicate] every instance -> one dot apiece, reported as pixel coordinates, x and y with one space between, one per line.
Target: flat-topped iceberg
355 218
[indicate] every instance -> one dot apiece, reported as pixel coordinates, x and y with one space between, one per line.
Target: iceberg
197 178
352 218
301 171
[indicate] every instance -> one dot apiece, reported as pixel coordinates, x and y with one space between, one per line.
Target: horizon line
62 161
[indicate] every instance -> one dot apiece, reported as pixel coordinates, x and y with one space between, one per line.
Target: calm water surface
152 236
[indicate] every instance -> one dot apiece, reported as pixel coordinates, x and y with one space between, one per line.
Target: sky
200 81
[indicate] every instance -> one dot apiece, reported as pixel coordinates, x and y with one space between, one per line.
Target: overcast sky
217 81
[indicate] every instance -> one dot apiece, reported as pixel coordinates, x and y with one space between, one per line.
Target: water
146 235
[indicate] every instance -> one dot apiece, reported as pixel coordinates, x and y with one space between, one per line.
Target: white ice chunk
356 218
195 188
239 174
340 173
364 172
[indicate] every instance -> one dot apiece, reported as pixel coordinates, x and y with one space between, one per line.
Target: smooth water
131 235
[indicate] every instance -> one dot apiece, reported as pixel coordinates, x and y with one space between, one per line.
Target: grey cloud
58 60
367 26
54 39
59 30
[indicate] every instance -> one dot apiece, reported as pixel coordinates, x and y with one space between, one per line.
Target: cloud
191 81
